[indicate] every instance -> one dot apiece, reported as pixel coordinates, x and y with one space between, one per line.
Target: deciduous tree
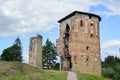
13 53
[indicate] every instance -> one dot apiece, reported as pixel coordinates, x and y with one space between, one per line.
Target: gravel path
72 76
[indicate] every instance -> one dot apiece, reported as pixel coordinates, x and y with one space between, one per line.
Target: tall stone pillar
35 51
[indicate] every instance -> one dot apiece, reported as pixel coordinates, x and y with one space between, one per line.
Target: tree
13 53
108 72
111 68
0 58
56 67
49 55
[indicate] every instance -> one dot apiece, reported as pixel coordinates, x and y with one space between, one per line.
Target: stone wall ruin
35 51
79 43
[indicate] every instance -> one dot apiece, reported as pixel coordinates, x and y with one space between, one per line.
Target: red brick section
83 43
72 76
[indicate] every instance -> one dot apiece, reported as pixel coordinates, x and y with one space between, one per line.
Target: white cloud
25 58
111 44
25 16
111 5
110 52
113 53
111 47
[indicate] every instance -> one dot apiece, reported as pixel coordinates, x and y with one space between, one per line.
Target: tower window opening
91 24
81 23
90 17
67 28
91 35
87 58
87 48
92 28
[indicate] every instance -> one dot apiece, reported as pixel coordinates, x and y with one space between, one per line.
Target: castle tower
79 43
35 51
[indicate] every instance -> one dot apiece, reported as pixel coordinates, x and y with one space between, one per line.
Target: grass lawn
20 71
46 75
82 76
53 75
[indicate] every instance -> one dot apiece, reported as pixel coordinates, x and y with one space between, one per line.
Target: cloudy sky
27 18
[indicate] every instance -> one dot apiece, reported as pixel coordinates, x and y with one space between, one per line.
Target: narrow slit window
90 17
75 60
81 23
92 28
87 58
87 48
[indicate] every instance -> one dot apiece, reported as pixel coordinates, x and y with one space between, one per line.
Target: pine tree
49 55
13 53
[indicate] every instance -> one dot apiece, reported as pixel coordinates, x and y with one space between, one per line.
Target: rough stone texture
35 51
82 45
72 76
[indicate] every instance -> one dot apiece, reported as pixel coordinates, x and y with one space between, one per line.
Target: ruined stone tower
35 51
79 43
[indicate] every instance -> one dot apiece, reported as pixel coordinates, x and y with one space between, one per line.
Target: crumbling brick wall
83 43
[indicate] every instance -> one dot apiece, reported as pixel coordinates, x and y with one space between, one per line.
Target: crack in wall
67 65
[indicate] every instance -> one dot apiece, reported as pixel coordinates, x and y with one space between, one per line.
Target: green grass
46 75
20 71
82 76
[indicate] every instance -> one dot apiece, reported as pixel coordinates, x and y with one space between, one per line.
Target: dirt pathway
72 76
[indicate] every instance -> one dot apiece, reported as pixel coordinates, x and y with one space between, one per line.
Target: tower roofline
73 13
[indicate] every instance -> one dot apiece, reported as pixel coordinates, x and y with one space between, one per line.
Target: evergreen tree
13 53
49 55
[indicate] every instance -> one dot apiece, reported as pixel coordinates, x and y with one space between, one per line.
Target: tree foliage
111 68
13 53
49 55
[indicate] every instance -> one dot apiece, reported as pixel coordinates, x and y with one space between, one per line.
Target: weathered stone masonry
79 43
35 51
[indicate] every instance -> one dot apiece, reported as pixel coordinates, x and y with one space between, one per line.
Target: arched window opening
81 23
66 38
67 28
